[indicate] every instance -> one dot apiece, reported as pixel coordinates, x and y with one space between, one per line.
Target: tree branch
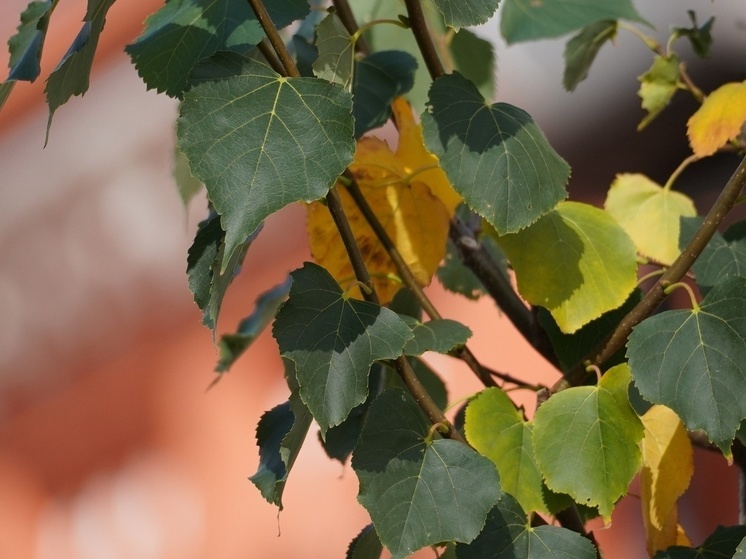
274 38
424 40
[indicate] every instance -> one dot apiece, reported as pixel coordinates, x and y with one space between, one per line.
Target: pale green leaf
657 87
466 13
528 20
694 361
586 441
441 335
336 53
581 51
498 430
260 141
418 491
495 156
561 263
741 550
333 340
187 186
26 45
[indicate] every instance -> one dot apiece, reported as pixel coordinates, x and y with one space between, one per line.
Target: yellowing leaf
718 120
649 214
665 475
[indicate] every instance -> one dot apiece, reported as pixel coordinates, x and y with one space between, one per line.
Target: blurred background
110 445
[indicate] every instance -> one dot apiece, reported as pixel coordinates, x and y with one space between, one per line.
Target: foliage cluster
475 195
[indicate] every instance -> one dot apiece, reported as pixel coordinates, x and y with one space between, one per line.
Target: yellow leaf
666 471
649 214
718 120
415 219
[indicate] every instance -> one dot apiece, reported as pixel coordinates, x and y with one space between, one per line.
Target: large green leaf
586 441
183 32
498 430
508 534
562 263
722 543
440 335
365 545
26 45
582 49
280 436
333 341
724 255
528 20
494 155
336 53
419 491
260 141
466 13
694 361
71 75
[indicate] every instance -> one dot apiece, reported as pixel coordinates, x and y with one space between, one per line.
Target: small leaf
333 340
440 335
694 361
26 45
699 36
657 87
581 427
417 491
582 49
474 58
724 255
495 156
71 75
721 543
187 186
497 430
380 78
667 467
183 32
5 88
466 13
509 535
244 128
336 54
650 214
528 20
741 550
561 263
718 120
365 545
232 346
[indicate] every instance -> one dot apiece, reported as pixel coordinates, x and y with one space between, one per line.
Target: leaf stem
678 269
651 275
424 39
357 35
681 284
680 169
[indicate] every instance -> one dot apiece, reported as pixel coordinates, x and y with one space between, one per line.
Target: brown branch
344 12
274 38
424 40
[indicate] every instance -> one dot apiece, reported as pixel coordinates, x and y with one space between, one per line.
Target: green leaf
724 255
699 36
497 430
741 550
723 542
586 441
187 186
694 361
474 58
280 436
206 282
528 20
183 32
71 75
333 341
440 335
581 51
495 156
466 13
561 263
365 545
509 535
572 348
232 346
336 54
26 45
5 88
657 87
419 491
260 141
380 78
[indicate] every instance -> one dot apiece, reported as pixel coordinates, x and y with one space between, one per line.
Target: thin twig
274 38
269 54
423 38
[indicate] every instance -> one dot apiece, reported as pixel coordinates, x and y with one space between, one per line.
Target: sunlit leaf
741 550
333 340
365 545
581 428
441 335
694 361
657 87
336 54
528 20
718 120
649 214
722 543
582 49
667 467
419 491
495 156
499 431
561 263
466 13
26 45
508 534
260 141
724 255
